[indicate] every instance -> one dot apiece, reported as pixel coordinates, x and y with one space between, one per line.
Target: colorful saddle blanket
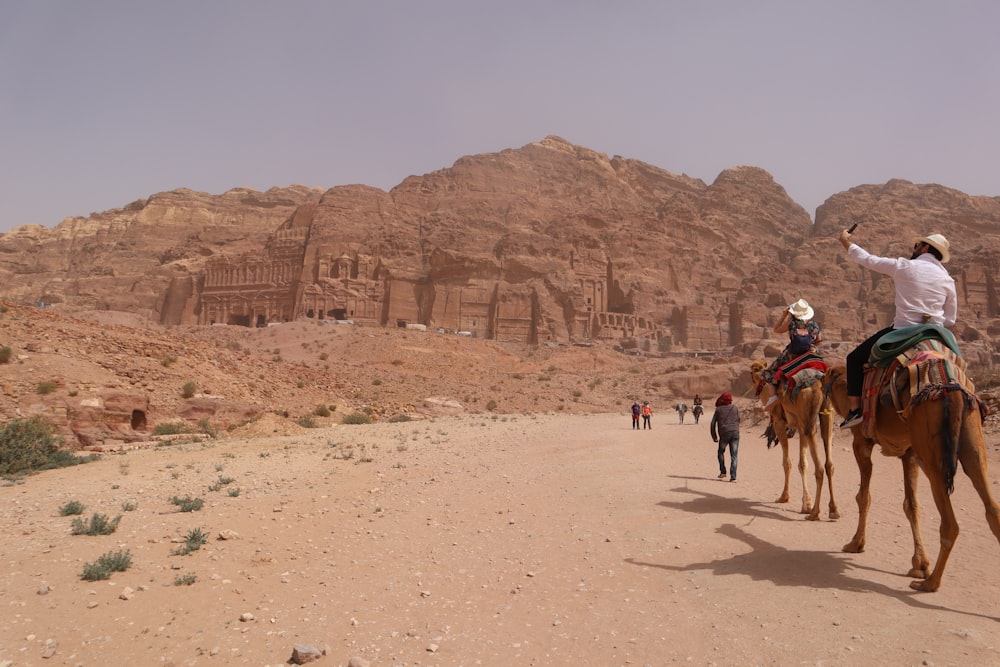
922 372
801 372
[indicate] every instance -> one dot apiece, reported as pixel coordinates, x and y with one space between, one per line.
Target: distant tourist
636 411
647 413
725 430
697 409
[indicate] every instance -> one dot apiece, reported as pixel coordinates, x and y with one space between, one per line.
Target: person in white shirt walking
925 293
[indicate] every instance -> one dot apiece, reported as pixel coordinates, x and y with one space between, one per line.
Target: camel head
756 367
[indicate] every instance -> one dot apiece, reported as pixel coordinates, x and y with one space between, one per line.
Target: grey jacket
725 421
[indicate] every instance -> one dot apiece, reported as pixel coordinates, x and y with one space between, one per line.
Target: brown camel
807 411
938 434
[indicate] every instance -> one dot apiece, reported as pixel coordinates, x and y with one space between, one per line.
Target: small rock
126 593
305 653
246 617
228 535
432 648
357 661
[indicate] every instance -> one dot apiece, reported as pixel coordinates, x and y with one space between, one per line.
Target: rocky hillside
535 251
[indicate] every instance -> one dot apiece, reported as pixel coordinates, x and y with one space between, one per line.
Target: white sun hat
801 310
938 242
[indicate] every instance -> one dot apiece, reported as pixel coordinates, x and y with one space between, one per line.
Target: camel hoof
806 509
812 517
783 498
834 515
853 548
923 586
919 572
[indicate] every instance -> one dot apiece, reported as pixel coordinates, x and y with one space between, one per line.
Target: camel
938 434
808 410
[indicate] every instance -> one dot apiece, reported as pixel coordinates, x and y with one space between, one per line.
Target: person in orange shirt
647 413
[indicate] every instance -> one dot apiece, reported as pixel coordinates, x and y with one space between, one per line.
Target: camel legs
863 456
973 460
786 461
826 432
920 565
948 532
807 440
807 503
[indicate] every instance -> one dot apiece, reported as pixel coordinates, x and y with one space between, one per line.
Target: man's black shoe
853 418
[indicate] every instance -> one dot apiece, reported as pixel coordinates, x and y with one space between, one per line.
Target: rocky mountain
548 242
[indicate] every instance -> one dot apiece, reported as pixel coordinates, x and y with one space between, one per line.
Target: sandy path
476 541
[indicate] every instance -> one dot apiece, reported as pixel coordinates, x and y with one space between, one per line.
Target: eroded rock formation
548 242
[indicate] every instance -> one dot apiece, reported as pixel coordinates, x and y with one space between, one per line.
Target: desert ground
531 539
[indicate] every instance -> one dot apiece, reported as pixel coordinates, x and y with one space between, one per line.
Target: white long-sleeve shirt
923 287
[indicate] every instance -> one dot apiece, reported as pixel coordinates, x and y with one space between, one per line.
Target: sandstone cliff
548 242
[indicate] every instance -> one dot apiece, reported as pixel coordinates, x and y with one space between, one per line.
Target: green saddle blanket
897 341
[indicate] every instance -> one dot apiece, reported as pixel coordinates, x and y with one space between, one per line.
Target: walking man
725 429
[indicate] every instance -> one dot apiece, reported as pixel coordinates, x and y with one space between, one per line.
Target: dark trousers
635 421
646 423
732 440
856 361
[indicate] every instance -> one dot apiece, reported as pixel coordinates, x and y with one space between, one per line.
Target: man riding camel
925 293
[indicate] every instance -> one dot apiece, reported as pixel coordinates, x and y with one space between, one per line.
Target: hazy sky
103 103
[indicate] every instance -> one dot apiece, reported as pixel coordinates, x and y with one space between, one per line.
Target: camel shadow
808 569
709 503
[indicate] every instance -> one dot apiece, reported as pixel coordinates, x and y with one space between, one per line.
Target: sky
103 103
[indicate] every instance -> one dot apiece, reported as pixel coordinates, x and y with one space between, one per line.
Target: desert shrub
395 419
356 418
129 506
28 445
169 428
207 428
112 561
188 504
491 405
46 387
5 354
321 411
376 382
193 541
71 508
189 388
99 524
577 393
185 579
397 362
306 422
167 360
323 356
233 492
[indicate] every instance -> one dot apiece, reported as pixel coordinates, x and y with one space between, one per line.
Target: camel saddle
803 371
923 371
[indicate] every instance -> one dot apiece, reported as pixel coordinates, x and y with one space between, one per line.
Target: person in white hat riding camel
803 336
925 293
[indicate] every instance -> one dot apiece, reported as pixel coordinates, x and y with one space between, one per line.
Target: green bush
306 422
233 492
99 524
112 561
185 579
321 411
71 508
169 428
129 506
356 418
5 354
188 390
28 445
491 405
395 419
46 387
188 504
193 541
